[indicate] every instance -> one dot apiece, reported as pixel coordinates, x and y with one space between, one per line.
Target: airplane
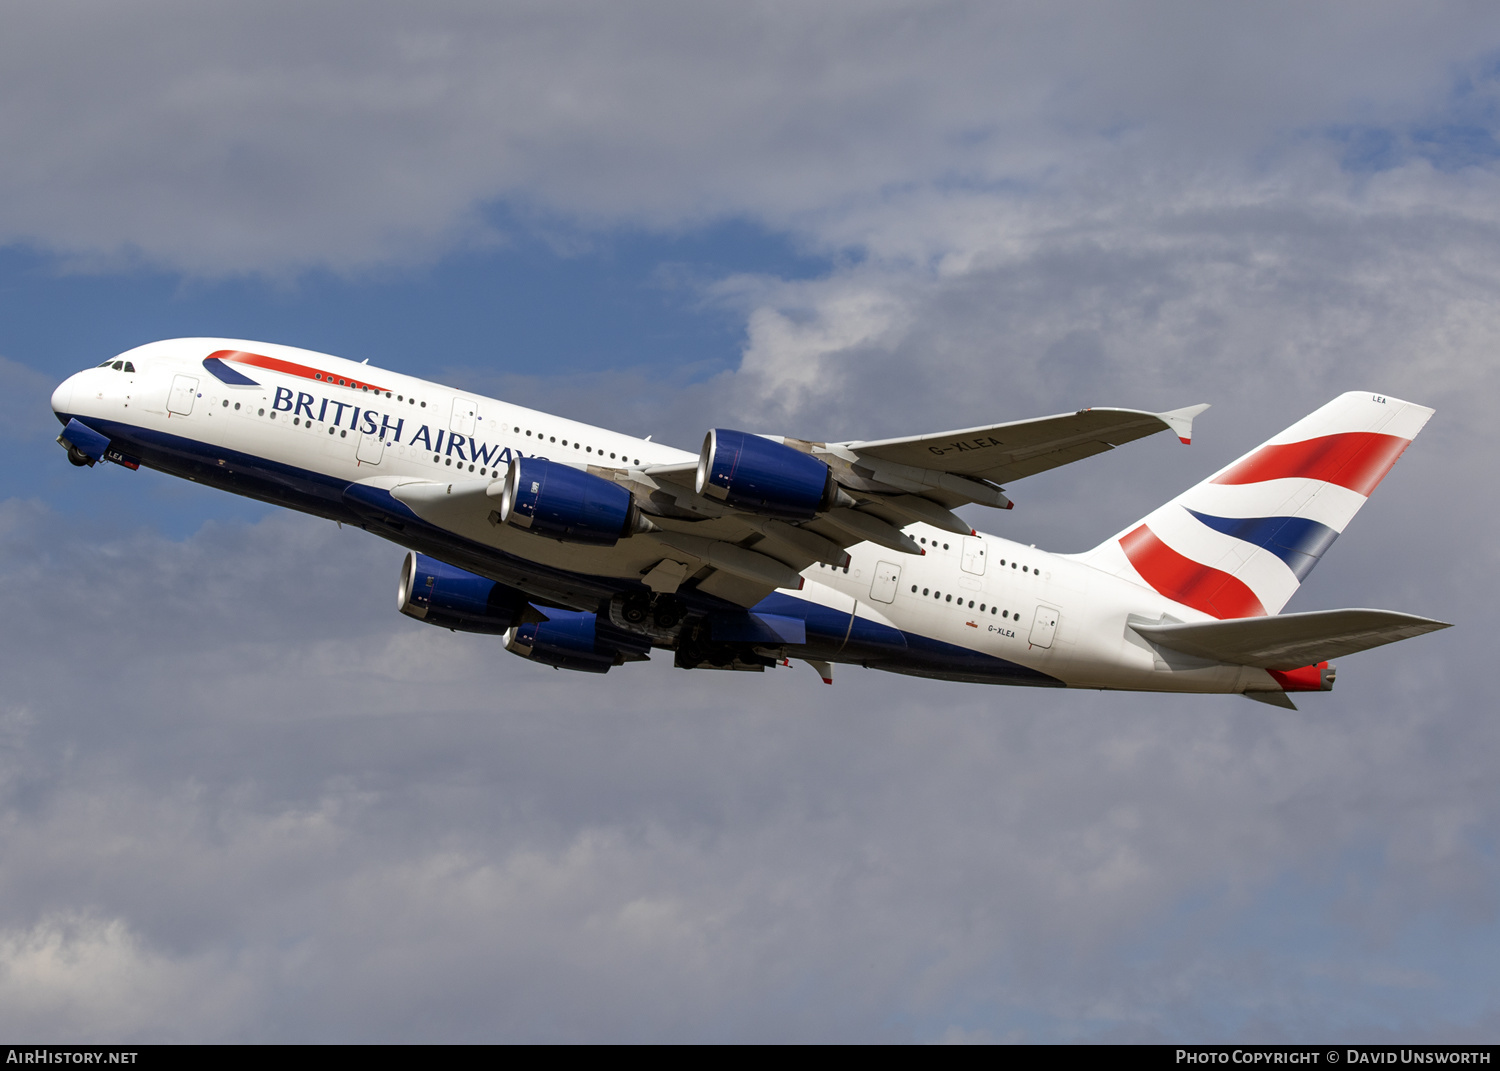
586 548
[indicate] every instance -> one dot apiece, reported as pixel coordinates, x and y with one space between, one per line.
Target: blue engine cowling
765 477
567 504
569 639
449 597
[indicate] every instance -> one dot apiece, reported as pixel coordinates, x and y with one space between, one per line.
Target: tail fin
1240 543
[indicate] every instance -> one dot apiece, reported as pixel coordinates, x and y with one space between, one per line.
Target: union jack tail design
1241 542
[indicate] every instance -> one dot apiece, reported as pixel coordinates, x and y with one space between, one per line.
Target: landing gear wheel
78 457
636 610
667 614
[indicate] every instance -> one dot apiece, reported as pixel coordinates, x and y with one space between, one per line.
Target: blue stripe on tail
1295 540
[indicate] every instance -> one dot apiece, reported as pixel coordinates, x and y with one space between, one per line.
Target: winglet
1181 421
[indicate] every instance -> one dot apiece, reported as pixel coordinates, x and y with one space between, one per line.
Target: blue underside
826 634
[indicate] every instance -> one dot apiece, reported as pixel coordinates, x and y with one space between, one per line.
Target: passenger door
184 390
973 555
1044 627
370 451
887 576
462 421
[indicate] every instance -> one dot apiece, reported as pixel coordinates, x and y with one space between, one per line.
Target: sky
243 799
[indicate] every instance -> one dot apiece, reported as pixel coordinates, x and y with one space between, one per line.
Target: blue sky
545 301
241 798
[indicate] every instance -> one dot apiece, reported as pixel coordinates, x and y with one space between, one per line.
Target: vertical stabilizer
1241 542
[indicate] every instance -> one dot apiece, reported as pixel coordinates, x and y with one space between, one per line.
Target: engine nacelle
765 477
449 597
565 503
569 639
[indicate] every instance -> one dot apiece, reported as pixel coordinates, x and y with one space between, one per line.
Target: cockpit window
129 367
105 364
119 366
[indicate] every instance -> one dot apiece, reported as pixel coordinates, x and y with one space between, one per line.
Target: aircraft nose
62 399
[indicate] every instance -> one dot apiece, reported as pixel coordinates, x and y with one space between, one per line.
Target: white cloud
270 139
299 815
81 978
232 772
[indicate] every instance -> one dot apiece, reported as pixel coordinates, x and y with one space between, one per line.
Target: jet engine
573 640
568 504
444 595
765 477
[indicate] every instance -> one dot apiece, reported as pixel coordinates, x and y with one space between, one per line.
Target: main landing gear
663 611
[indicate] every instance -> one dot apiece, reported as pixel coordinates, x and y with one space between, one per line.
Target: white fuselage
1049 613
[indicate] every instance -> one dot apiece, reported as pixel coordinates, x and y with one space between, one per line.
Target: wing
885 485
757 523
1004 453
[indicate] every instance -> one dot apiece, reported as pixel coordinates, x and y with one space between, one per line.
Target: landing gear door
1044 627
887 576
371 449
184 390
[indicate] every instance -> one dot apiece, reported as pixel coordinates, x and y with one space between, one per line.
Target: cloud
242 799
276 139
253 802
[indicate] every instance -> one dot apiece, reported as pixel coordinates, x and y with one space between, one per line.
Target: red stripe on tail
1191 583
1357 460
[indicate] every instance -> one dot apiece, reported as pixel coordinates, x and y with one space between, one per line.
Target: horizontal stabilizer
1289 641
